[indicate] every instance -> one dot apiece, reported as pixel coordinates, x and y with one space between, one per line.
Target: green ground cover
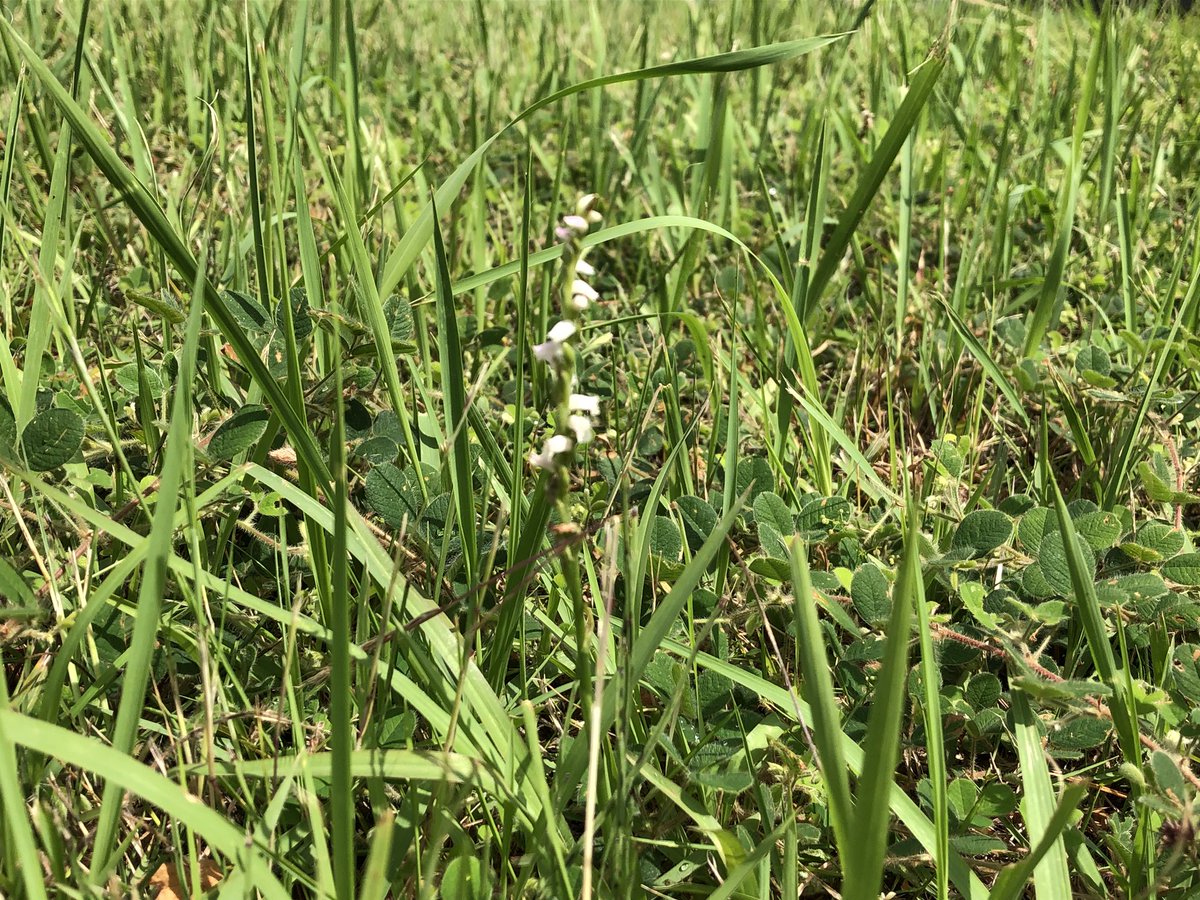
598 449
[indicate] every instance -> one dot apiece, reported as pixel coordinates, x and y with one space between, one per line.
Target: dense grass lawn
599 449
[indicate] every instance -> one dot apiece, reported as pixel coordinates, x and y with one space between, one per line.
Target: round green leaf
52 438
1033 528
948 455
13 586
819 513
378 450
754 472
1053 558
1099 529
1183 569
1164 540
699 519
996 799
8 430
773 517
127 378
1093 359
982 691
665 540
239 432
869 594
728 782
387 493
302 324
982 530
250 314
1079 734
465 878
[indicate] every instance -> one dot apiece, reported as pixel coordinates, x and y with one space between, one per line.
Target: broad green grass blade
881 749
827 720
935 746
343 737
1013 879
1052 877
1087 605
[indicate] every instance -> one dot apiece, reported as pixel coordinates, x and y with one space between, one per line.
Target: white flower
585 204
584 268
580 302
578 224
555 444
562 332
585 207
585 403
581 287
550 352
582 426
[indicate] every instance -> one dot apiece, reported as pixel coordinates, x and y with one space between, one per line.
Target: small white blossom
550 352
562 332
581 287
582 426
585 403
585 204
555 444
578 224
584 268
580 302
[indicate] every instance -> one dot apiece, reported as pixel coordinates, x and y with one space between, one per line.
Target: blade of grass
827 721
1043 318
454 400
150 594
881 749
421 230
127 774
935 747
1052 877
342 737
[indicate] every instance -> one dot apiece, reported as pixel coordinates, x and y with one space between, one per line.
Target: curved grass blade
919 92
421 230
454 399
